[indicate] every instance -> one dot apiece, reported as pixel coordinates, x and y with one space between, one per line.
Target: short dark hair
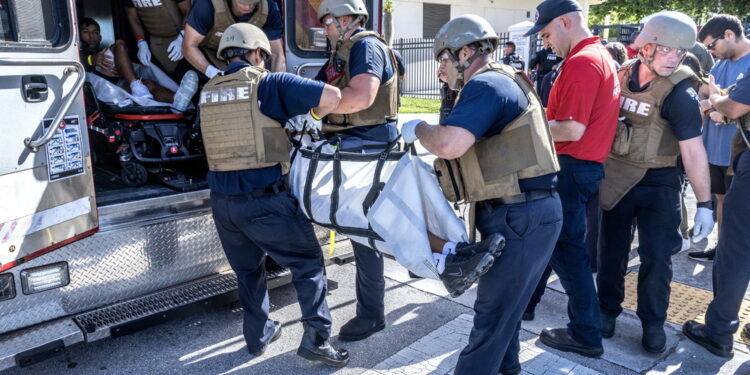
88 21
618 51
510 44
719 23
692 62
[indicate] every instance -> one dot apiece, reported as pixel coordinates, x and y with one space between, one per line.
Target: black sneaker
493 244
703 256
462 271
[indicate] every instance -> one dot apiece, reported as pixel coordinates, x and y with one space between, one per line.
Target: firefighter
731 272
362 66
660 122
209 18
498 143
164 20
248 157
510 57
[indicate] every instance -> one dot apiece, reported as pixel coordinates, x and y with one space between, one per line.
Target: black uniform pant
249 228
530 231
731 272
657 213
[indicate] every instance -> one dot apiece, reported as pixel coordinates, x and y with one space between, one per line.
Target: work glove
408 130
703 224
212 71
175 48
144 54
307 122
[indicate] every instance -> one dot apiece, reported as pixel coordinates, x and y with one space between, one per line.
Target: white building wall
500 13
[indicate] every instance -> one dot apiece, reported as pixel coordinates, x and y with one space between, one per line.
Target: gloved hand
703 224
175 48
144 54
408 130
211 71
306 122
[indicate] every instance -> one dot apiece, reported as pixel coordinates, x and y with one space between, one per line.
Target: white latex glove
304 122
703 224
408 130
175 48
211 71
144 54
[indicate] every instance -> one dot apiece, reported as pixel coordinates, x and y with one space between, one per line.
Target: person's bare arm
445 141
359 94
567 130
191 51
278 60
695 160
135 23
729 107
329 99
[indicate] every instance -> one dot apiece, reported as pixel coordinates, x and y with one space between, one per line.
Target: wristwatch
706 204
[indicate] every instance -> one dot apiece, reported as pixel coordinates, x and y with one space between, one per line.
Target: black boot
608 325
493 244
696 332
360 328
316 348
654 339
274 337
560 339
461 272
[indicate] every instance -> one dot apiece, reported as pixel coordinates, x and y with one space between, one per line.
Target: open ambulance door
46 181
306 47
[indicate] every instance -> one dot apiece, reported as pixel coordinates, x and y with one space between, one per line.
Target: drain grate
685 303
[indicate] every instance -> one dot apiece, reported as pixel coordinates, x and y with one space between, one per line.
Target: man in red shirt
582 114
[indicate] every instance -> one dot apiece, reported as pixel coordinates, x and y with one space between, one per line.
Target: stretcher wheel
133 174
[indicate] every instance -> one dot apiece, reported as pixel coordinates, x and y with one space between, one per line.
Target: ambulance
89 247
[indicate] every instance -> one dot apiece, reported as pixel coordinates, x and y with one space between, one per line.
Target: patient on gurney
111 68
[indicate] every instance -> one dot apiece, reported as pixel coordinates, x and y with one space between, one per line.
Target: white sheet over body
410 204
109 92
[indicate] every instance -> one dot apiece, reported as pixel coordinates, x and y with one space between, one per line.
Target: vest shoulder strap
261 15
364 34
219 5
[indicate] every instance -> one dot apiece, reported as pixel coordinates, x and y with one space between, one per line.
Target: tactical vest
741 140
492 167
385 106
236 134
223 18
643 139
161 18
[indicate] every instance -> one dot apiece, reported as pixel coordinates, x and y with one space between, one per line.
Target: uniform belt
528 196
272 189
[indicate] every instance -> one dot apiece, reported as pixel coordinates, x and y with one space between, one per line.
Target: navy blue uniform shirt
682 110
369 55
281 96
741 92
201 18
487 103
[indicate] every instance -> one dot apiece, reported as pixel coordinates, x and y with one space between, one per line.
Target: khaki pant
159 47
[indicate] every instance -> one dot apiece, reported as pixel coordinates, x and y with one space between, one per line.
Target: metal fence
421 80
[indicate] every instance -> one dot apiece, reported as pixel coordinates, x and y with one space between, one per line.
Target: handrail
67 101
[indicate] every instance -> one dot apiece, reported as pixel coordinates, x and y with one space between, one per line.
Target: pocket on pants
519 221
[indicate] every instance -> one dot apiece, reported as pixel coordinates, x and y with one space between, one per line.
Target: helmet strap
461 67
343 30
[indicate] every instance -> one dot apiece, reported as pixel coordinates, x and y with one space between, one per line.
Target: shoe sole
591 353
654 351
711 349
497 247
700 259
363 336
310 356
484 265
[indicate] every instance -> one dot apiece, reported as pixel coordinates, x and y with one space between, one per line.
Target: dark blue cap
548 10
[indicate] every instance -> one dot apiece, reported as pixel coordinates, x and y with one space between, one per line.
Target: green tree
632 11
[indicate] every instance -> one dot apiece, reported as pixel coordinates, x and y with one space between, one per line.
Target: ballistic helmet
249 2
668 28
462 31
243 35
338 8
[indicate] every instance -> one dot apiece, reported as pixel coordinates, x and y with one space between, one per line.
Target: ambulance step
34 344
101 323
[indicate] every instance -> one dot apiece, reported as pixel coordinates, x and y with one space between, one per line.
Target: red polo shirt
587 90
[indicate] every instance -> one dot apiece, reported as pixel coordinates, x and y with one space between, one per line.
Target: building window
34 24
435 16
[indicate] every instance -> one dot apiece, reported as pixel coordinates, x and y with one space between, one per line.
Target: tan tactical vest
492 167
643 139
385 106
236 134
741 140
161 18
223 18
